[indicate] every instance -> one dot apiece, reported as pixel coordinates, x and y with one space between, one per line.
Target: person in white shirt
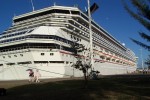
37 75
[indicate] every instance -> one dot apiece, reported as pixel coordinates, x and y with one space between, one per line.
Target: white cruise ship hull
51 69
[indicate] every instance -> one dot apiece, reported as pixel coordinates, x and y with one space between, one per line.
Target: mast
32 5
91 38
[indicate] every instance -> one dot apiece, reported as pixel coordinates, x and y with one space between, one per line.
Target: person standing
31 75
37 75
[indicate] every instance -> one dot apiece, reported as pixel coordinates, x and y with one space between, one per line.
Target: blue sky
111 16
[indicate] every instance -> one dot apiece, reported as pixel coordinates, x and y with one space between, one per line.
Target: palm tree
142 15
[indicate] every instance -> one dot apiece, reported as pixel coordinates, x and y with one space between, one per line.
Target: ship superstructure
42 40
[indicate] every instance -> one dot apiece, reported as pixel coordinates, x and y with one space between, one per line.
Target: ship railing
6 52
29 50
45 50
38 19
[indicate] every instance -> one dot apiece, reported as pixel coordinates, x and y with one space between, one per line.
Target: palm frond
145 36
141 44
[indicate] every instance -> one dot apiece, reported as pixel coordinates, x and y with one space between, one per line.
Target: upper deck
46 11
67 11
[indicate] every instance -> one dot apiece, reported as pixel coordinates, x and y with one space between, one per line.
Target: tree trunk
85 80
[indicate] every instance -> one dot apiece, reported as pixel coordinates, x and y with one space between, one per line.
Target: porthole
51 54
42 54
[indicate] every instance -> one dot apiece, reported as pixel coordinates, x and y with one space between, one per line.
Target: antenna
32 5
54 3
12 20
85 9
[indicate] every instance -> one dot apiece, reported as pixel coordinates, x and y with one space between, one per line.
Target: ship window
42 54
15 55
27 62
51 54
108 59
62 11
21 54
56 61
102 57
3 56
67 62
71 36
10 64
113 60
75 12
1 64
84 16
9 56
40 61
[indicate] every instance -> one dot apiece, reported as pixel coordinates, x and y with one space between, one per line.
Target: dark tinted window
75 12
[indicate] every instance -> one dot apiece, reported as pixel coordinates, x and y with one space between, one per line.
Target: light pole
142 59
91 38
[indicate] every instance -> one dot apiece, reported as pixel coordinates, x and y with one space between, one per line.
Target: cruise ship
43 39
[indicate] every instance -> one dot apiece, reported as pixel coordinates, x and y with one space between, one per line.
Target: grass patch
112 88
